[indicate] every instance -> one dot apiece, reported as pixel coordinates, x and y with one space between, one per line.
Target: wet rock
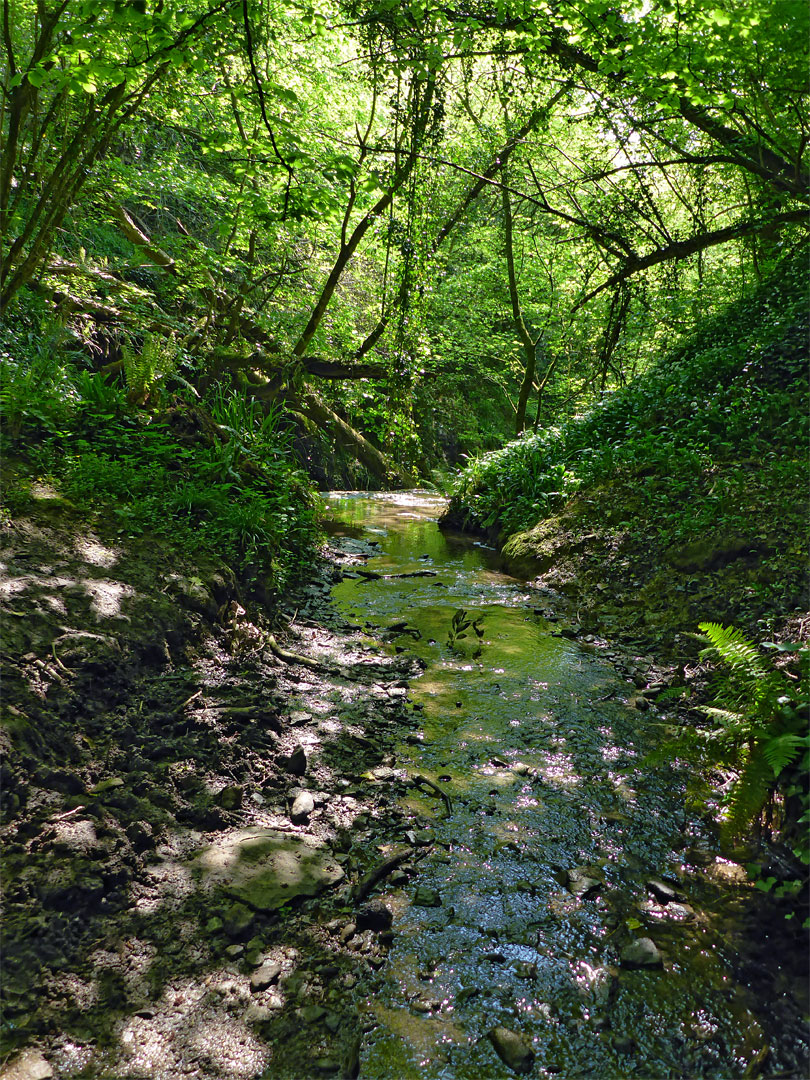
642 953
425 897
233 952
348 932
512 1049
581 883
302 808
294 763
30 1065
525 970
264 976
661 891
374 916
230 798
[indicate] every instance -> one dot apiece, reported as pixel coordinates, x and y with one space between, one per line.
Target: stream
557 850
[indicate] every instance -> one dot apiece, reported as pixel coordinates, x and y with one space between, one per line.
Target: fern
735 649
156 359
750 793
783 750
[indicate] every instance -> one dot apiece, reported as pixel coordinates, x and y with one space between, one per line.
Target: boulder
264 868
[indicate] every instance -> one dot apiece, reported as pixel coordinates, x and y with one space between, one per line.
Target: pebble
238 920
264 976
581 883
29 1066
512 1049
230 798
294 763
302 808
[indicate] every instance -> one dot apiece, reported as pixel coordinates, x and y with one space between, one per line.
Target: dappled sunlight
92 551
559 770
107 597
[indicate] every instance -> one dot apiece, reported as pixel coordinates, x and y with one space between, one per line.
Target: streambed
557 850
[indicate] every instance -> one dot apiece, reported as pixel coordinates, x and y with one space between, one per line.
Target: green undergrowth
698 429
215 477
758 729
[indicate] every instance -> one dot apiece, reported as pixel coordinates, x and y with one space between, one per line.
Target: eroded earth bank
402 825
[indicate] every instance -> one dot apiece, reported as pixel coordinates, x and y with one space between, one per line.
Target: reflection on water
543 863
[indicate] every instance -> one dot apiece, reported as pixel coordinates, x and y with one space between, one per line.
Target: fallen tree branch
423 781
288 657
364 887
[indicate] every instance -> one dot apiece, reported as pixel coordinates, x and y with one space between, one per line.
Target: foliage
759 734
239 496
737 390
460 624
761 726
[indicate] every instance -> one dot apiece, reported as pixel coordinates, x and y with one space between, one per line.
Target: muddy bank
190 803
602 560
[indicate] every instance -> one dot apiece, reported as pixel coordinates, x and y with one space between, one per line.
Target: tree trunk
517 315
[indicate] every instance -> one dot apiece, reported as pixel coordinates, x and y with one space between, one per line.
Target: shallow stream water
556 828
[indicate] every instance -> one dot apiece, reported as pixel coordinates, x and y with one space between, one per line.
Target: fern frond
727 715
750 794
734 648
783 750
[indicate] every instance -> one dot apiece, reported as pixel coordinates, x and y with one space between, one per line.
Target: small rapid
569 897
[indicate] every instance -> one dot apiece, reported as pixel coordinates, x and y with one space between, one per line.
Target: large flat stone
265 868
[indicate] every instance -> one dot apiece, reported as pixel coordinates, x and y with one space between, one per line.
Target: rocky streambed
403 826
